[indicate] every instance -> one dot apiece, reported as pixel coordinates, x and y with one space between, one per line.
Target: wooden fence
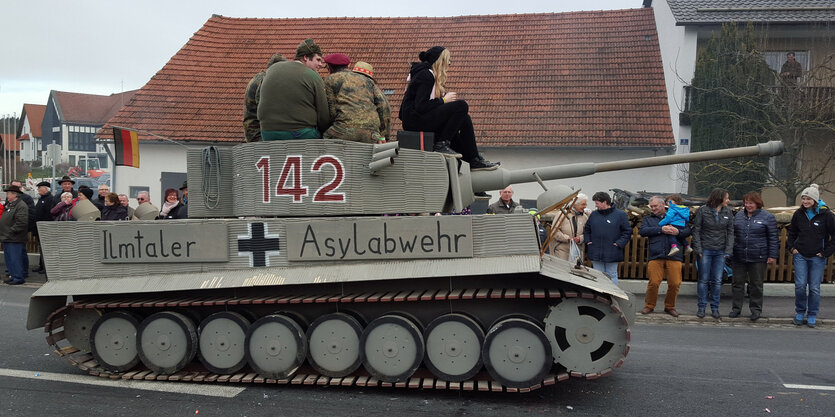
635 262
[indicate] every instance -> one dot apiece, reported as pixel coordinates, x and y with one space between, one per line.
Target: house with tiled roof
804 27
71 121
543 89
29 131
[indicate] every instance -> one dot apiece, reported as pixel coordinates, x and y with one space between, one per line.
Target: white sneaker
673 251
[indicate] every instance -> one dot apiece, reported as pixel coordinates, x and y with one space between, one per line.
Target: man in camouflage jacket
359 110
252 127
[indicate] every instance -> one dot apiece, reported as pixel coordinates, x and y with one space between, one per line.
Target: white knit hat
811 192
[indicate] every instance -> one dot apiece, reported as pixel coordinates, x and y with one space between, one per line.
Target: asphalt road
671 370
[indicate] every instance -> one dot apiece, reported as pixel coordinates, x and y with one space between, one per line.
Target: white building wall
678 46
27 147
655 179
154 158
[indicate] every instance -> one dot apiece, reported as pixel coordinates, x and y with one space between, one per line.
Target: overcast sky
109 46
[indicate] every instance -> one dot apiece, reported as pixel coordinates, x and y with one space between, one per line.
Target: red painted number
292 164
324 193
263 165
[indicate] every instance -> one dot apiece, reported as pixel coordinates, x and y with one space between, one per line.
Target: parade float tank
294 269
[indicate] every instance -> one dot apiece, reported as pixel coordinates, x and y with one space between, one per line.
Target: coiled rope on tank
211 176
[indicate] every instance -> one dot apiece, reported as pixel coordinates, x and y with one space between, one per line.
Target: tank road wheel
453 347
222 336
334 344
588 337
78 325
516 353
393 348
167 342
113 341
275 346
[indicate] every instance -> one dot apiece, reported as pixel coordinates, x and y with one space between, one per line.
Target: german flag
126 147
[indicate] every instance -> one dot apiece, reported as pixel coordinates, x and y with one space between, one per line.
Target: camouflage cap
308 47
275 58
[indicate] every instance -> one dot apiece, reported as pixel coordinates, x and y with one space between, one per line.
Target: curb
770 289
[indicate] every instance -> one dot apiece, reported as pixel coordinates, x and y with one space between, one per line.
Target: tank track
306 375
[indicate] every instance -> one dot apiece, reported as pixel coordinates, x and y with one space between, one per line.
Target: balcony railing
820 100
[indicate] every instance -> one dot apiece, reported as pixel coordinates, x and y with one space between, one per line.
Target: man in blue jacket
662 264
606 233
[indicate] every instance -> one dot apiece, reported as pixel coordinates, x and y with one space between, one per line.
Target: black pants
450 122
753 273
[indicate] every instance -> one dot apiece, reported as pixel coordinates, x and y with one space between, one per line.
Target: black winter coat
114 212
713 232
814 236
755 237
42 208
603 228
659 246
416 101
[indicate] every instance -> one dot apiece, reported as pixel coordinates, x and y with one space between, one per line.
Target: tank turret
337 178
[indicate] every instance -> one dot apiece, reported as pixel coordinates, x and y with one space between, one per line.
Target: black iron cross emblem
258 245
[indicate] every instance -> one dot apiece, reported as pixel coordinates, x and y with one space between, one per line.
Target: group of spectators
20 213
749 240
289 100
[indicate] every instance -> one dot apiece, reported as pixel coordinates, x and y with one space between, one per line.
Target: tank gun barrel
500 178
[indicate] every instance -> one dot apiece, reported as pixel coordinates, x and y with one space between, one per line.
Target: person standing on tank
756 244
811 240
606 233
292 102
713 242
358 109
427 106
252 126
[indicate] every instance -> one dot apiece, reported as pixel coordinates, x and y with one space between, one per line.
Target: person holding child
677 216
756 244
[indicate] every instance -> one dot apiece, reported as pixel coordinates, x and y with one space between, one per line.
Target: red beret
338 59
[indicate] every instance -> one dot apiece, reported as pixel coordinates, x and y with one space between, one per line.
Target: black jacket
814 236
114 212
416 101
42 208
658 245
713 232
755 237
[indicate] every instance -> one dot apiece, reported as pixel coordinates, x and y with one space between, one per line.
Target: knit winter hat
88 192
308 47
431 55
812 192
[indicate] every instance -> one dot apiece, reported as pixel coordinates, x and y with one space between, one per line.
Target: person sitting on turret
292 102
358 109
677 216
428 106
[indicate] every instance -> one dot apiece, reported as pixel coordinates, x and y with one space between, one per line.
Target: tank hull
425 268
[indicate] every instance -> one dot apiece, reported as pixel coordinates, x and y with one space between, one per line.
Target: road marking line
814 387
175 387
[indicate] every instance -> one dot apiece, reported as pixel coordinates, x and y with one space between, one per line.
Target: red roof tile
581 79
9 142
90 108
34 112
